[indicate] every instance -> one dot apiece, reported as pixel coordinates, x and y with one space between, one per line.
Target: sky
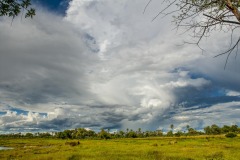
104 64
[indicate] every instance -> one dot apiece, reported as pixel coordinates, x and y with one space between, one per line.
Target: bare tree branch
146 6
204 17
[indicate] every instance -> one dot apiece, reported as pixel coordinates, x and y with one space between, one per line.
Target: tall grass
183 148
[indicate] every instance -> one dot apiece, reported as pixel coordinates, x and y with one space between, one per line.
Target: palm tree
171 126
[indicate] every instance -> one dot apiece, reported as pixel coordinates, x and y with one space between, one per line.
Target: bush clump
72 143
231 135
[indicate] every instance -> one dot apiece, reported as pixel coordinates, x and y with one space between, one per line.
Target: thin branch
230 50
222 20
164 9
227 60
147 6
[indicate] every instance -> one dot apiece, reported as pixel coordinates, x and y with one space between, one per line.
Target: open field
183 148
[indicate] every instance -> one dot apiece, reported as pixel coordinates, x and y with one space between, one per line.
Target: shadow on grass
157 155
215 156
75 157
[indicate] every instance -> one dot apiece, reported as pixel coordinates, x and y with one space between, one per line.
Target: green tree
61 135
104 135
215 129
225 129
170 133
187 127
29 135
139 130
13 8
45 135
202 17
207 130
131 134
159 133
68 134
178 134
234 128
82 133
192 132
171 126
122 134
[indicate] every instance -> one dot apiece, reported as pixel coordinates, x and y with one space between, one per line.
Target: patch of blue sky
2 113
23 112
56 6
19 111
205 102
190 73
205 98
194 75
43 114
217 92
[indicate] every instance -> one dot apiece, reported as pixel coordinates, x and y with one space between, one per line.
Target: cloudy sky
104 64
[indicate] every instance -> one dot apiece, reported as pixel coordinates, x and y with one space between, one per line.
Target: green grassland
182 148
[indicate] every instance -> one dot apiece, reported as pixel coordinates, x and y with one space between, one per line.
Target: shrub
74 157
231 135
72 143
215 156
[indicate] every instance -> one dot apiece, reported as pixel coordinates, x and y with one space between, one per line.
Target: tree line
82 133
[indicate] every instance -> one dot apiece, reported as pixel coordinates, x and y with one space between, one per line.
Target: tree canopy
13 8
202 17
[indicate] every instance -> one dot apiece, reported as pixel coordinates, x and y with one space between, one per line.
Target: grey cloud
42 62
106 65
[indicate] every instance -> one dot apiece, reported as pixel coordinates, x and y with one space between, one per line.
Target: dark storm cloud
44 65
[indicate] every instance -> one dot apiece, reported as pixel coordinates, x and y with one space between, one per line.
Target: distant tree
234 128
82 133
178 134
61 135
29 135
139 133
146 134
45 135
122 134
208 130
171 126
104 135
19 135
91 133
170 133
225 129
187 127
131 134
159 133
139 130
215 129
68 134
13 8
192 132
